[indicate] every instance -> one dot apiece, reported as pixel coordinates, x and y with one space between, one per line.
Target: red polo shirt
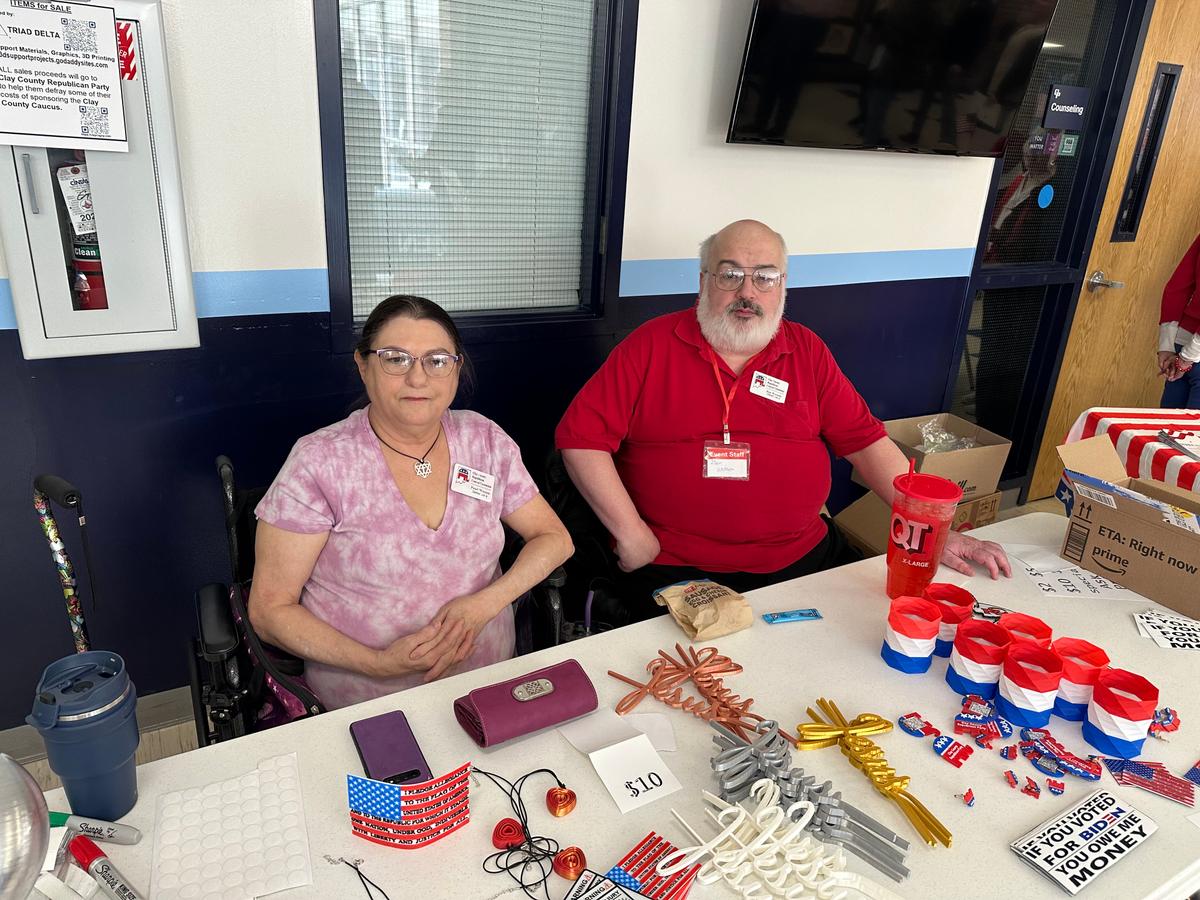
655 401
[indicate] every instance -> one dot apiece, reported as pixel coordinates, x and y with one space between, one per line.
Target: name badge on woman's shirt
473 483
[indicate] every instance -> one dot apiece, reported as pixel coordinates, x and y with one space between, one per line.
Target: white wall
243 76
685 181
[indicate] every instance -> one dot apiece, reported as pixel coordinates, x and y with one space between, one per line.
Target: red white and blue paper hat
910 634
1028 684
956 605
1023 627
1082 664
979 650
1120 713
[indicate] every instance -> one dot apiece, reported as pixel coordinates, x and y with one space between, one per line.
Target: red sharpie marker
92 859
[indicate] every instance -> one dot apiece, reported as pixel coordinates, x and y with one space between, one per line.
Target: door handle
1098 281
33 204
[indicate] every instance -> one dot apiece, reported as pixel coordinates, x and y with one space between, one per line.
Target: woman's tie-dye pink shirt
384 573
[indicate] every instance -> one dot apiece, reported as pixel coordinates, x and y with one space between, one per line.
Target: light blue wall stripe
261 292
274 291
250 293
8 318
652 277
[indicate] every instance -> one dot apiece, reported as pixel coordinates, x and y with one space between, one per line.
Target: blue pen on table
97 829
791 615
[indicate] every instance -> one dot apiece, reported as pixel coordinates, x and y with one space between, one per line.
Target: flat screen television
926 76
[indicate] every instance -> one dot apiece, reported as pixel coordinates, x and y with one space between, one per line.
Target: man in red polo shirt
701 441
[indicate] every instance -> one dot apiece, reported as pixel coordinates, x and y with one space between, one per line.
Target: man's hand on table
637 549
962 550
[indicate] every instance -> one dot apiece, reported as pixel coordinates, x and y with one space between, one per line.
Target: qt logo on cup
910 535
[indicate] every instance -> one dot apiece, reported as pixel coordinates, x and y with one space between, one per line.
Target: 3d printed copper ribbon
705 669
854 739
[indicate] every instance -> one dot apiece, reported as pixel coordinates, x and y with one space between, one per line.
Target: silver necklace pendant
423 468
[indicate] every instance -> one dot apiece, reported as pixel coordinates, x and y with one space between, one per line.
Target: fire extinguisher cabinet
127 286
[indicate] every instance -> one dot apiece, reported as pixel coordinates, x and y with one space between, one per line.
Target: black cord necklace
530 863
421 464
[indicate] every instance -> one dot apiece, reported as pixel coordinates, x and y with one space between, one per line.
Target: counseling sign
1066 107
60 76
1076 847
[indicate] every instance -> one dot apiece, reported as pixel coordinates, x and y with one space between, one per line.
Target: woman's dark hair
410 306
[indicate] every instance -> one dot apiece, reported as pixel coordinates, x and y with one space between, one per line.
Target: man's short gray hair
706 246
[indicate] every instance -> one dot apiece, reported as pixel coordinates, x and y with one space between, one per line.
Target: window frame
610 106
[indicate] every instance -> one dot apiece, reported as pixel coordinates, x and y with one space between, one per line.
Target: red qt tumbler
921 514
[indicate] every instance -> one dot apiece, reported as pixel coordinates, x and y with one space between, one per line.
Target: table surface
786 668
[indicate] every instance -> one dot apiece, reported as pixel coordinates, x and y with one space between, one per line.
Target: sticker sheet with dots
239 838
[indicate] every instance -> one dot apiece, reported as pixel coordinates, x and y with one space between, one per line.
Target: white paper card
600 729
60 81
767 386
56 836
1077 846
655 726
634 773
473 483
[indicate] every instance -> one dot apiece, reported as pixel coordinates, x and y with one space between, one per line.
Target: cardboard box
977 470
865 521
1143 535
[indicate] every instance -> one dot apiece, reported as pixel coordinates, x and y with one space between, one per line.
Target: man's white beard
730 334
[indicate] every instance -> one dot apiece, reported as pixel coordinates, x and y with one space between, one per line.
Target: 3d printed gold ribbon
854 738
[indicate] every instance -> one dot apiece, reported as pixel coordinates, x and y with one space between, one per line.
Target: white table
786 668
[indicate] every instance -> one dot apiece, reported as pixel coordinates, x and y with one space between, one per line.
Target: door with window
1150 216
1039 223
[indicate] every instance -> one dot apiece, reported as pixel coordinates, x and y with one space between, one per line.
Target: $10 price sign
633 773
644 784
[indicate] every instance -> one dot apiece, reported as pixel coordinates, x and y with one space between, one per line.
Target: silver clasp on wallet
531 690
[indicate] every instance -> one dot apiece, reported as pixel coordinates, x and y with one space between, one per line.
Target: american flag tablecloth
1135 434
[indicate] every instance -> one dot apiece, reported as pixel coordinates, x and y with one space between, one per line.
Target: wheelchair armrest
217 632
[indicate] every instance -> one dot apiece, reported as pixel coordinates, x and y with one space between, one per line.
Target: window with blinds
466 146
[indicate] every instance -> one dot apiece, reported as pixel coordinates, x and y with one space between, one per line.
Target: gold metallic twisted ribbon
854 737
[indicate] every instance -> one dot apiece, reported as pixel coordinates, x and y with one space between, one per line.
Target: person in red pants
1179 334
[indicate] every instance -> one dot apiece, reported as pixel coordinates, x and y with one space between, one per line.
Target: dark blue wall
137 434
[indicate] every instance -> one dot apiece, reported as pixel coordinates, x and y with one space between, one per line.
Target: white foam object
49 886
233 840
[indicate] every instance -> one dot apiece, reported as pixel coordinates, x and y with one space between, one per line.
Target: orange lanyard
727 399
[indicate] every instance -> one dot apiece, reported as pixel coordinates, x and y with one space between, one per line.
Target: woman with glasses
378 542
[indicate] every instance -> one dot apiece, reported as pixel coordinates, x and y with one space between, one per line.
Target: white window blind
466 133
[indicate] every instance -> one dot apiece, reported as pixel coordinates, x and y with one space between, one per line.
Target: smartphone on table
388 750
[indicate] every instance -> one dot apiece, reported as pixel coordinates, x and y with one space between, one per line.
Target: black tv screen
930 76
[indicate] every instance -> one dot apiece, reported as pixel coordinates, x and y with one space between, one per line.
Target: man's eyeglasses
764 278
437 364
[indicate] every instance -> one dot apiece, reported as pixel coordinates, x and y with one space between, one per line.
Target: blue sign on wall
1066 107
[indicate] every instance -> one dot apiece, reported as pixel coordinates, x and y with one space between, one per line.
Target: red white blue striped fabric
1134 432
1120 713
979 651
910 634
1082 664
1029 685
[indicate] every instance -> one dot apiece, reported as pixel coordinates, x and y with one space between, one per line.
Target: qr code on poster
93 120
79 36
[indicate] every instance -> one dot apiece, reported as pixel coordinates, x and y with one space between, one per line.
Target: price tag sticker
634 773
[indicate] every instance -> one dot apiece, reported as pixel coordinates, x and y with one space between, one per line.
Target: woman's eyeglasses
437 364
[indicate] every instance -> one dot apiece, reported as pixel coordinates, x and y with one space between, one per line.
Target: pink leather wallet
499 712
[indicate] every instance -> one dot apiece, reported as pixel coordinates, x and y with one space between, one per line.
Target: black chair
232 669
593 567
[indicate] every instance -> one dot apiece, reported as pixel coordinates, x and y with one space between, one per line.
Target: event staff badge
727 459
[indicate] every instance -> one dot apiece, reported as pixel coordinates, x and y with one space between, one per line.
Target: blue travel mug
86 713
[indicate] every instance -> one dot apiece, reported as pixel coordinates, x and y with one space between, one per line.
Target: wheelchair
240 684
